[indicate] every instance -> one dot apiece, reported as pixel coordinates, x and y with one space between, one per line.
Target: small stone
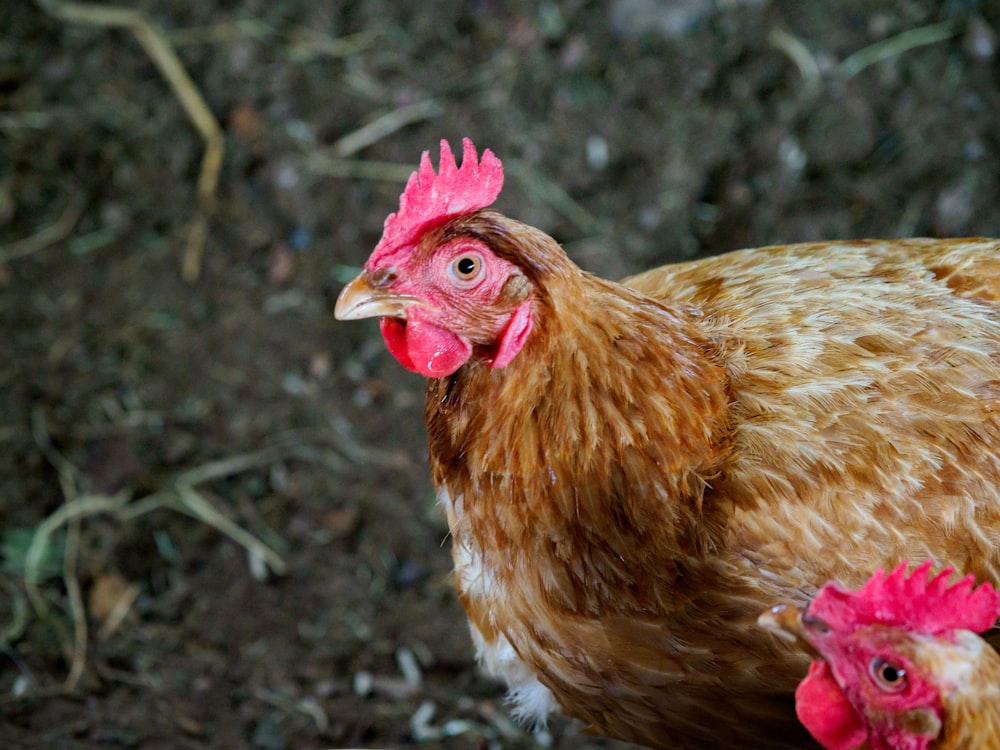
268 735
980 41
598 154
281 265
363 683
244 122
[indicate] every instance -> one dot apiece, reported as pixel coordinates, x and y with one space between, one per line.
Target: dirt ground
216 521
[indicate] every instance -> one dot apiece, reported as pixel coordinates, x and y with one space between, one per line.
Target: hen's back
968 268
865 402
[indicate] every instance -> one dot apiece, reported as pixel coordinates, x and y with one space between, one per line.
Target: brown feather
669 455
970 677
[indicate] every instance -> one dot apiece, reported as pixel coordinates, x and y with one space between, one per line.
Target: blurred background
217 528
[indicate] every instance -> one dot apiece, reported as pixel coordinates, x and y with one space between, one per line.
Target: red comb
430 199
919 602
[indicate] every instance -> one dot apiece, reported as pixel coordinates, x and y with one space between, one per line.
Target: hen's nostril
383 277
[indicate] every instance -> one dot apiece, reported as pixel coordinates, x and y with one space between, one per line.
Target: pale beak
784 620
360 299
791 624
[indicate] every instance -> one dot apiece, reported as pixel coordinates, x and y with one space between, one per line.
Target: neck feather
594 443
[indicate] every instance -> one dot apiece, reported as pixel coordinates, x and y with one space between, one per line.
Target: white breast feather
531 702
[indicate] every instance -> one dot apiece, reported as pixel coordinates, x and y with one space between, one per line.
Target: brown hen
632 471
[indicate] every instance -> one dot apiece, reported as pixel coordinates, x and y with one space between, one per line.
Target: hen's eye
888 676
466 269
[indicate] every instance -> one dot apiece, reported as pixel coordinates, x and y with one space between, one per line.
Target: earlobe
922 722
514 335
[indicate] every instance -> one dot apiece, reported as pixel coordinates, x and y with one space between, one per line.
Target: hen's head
887 655
443 294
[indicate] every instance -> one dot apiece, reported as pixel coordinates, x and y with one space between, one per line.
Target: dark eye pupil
889 676
890 673
466 266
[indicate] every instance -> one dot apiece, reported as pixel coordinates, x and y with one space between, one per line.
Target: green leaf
14 545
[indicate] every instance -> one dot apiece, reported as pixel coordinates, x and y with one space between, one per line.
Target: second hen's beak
784 620
361 299
788 623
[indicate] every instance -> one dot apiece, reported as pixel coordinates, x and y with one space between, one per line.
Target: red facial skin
460 314
825 711
907 627
846 700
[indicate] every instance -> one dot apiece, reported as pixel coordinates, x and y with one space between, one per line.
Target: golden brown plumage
972 703
658 460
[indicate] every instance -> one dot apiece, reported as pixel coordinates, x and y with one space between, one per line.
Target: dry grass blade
78 658
163 56
50 234
384 126
69 514
804 60
12 630
307 44
119 612
303 44
230 465
74 508
549 192
180 496
40 434
219 33
290 705
896 45
194 505
358 169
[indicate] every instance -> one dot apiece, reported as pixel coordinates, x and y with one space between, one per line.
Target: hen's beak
791 624
784 621
360 299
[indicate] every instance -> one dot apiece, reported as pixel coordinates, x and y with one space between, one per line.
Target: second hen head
889 656
443 291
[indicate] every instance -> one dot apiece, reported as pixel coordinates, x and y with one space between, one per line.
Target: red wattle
425 348
825 711
515 333
394 333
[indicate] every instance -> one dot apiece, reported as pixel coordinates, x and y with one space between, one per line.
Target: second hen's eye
466 269
888 676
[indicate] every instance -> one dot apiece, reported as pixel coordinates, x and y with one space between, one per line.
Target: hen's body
666 457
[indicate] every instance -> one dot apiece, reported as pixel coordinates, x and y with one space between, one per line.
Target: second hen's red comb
919 602
430 199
